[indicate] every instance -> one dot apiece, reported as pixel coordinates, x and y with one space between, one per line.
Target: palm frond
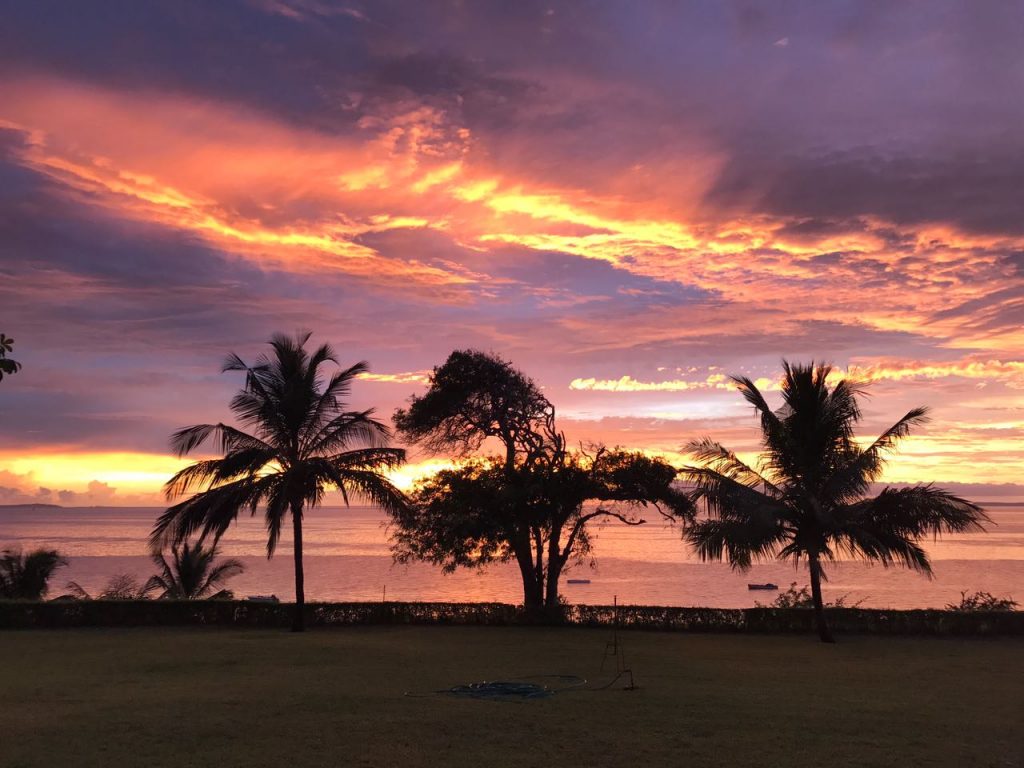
155 583
187 439
328 404
726 497
220 573
348 429
277 505
228 438
212 472
917 511
364 481
886 442
210 512
769 419
882 544
853 473
739 542
376 459
720 459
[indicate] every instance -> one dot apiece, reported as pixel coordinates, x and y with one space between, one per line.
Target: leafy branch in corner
7 365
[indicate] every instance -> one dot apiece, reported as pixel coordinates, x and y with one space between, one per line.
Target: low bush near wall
130 613
657 617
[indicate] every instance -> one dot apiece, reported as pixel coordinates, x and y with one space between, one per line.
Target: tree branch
584 519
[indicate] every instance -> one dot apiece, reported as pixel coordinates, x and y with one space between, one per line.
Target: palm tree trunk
819 606
298 621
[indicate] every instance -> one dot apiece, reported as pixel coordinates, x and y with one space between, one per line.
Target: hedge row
801 620
114 613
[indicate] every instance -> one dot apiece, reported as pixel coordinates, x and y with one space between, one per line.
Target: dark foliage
982 601
27 576
191 572
807 500
301 442
532 504
479 513
800 597
474 396
120 586
7 365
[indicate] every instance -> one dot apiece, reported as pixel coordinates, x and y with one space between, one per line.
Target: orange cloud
305 201
629 384
194 166
414 377
1009 372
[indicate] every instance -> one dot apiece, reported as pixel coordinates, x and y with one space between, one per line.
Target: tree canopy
479 513
529 504
474 396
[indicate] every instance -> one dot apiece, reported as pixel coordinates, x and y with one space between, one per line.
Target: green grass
225 697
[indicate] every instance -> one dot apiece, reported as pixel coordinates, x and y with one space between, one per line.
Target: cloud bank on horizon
629 201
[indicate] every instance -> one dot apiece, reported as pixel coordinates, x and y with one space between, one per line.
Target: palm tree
301 443
191 574
808 496
27 577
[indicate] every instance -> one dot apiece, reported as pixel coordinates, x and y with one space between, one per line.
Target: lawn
228 697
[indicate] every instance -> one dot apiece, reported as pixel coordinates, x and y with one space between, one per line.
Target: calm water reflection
347 558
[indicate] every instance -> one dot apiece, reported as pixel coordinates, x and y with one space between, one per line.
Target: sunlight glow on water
348 558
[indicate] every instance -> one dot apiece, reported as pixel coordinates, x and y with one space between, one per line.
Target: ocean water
347 557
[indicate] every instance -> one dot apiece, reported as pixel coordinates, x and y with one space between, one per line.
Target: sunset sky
630 201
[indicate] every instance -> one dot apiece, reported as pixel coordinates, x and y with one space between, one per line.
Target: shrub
120 586
982 601
801 598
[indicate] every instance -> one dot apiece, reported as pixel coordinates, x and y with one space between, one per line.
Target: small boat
262 599
766 587
578 581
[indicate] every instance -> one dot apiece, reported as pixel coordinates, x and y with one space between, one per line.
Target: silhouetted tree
7 365
475 396
808 496
27 576
480 513
529 504
302 442
192 573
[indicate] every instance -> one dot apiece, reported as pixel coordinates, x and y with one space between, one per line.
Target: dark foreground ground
222 697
